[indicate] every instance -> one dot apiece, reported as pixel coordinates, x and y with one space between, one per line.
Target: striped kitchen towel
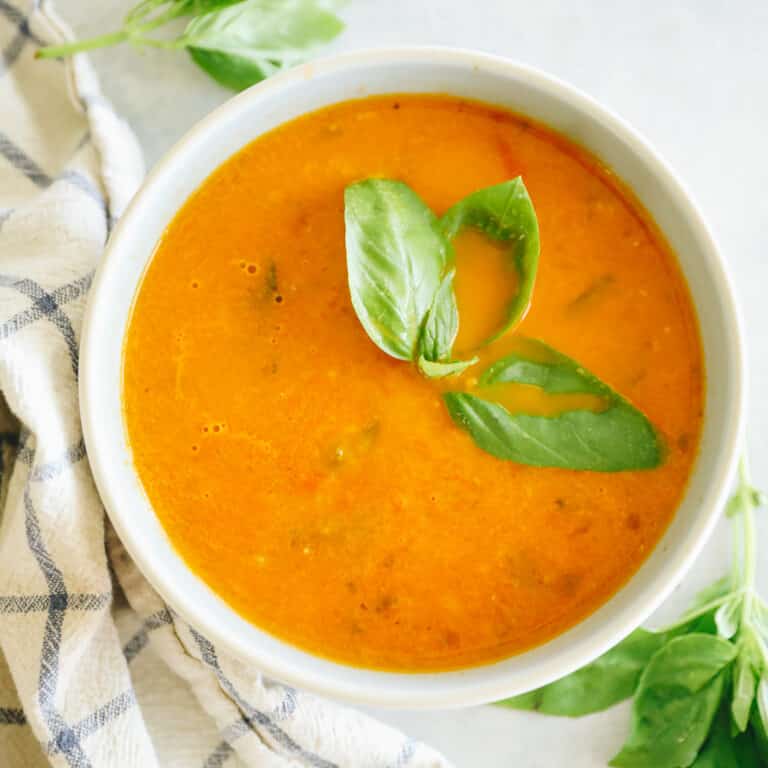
88 678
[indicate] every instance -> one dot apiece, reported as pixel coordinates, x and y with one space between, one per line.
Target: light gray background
692 75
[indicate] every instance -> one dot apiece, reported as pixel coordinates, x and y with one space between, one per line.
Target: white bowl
431 70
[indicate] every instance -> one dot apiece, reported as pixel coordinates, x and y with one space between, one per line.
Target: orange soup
320 486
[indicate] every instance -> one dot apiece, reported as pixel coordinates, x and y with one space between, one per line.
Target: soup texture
320 486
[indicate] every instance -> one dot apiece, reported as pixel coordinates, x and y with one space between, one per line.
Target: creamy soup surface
320 486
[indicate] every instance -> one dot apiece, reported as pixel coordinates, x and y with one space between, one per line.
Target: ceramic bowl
307 88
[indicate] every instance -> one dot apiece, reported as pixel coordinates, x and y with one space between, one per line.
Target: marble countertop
692 75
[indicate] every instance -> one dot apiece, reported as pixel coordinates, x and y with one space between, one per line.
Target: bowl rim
372 693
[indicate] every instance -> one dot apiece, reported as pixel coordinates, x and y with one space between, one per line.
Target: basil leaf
606 681
676 701
234 72
614 440
759 733
146 13
539 365
617 438
746 673
396 258
762 701
722 751
440 370
504 213
439 333
442 323
201 7
264 30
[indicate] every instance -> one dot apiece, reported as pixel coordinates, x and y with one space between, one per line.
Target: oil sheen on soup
320 486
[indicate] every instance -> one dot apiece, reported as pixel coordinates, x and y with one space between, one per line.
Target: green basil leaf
144 12
614 440
617 438
234 72
504 213
606 681
762 701
677 699
264 30
201 7
746 673
439 333
759 733
440 370
723 751
539 365
442 323
746 750
396 258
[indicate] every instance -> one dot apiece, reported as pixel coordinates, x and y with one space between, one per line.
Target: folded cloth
86 679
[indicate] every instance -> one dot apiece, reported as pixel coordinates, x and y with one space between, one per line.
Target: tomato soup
320 486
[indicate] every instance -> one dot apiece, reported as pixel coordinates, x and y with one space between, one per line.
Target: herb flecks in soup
337 505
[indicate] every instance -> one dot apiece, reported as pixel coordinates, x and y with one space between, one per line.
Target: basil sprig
401 269
700 686
614 438
400 264
505 214
681 686
237 42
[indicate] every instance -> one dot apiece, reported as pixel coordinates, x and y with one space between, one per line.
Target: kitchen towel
89 677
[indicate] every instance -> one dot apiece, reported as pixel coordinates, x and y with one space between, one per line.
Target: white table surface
692 75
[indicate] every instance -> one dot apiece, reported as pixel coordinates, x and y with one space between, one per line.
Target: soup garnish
401 270
605 433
